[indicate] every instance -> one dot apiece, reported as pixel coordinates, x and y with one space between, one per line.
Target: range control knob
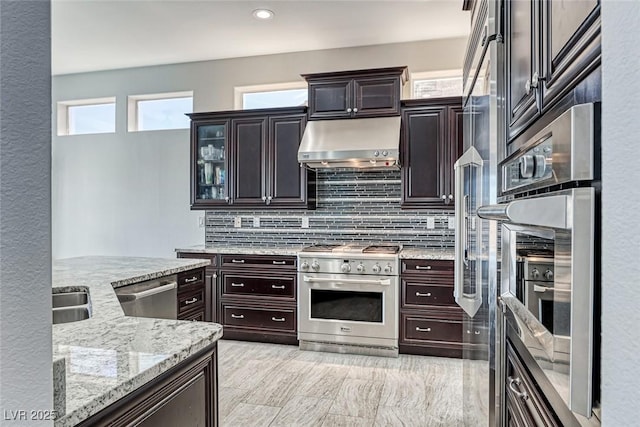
541 166
526 166
376 268
387 269
345 268
385 153
304 266
548 274
360 268
535 273
376 153
315 265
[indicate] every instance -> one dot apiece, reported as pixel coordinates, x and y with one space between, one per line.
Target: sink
66 299
70 314
70 306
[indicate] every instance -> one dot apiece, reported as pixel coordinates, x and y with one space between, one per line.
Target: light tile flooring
279 385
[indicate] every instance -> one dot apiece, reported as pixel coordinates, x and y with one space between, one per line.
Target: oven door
553 321
338 308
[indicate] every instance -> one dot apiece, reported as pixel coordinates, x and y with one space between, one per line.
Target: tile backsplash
352 206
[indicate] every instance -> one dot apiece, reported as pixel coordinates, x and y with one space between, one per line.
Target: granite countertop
416 253
109 355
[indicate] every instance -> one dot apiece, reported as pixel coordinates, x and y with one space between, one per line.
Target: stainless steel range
348 299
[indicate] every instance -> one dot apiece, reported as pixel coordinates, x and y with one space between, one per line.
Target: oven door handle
383 282
545 211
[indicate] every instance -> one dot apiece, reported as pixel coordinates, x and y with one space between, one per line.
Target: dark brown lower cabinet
210 287
525 404
431 322
186 395
192 294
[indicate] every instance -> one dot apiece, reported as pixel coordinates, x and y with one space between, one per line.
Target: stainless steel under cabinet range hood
372 143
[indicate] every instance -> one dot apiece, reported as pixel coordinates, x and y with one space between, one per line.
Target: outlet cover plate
305 222
237 222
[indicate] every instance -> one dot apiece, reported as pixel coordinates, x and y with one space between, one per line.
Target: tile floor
279 385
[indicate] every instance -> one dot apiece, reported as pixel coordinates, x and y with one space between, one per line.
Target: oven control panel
532 167
350 265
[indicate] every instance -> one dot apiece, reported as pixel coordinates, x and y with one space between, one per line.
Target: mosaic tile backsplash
352 206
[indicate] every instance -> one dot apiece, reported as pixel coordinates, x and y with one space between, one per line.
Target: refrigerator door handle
469 302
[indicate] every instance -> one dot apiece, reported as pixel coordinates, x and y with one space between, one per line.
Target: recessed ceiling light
263 14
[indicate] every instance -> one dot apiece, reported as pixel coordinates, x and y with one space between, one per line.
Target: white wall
128 193
620 213
25 206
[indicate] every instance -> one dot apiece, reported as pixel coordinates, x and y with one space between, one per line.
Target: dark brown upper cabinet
356 94
431 141
249 158
550 47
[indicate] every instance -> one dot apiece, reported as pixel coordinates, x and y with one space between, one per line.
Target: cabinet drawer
197 316
260 318
188 301
420 294
238 261
427 267
422 329
244 285
190 278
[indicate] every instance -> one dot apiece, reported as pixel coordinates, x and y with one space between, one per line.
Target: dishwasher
154 298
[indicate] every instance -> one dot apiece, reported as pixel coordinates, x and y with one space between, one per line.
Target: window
437 84
159 111
87 116
271 95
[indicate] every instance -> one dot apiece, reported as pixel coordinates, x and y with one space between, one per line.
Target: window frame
434 75
132 108
63 116
240 91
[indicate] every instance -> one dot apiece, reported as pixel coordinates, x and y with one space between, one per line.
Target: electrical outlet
452 223
256 222
201 221
431 223
305 222
237 222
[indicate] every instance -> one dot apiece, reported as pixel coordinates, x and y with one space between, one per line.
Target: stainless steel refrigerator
476 270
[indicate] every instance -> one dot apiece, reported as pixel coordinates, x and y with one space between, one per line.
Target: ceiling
91 35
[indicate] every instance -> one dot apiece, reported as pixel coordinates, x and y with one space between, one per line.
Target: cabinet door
209 167
287 181
249 149
522 64
570 44
455 132
376 97
330 99
423 154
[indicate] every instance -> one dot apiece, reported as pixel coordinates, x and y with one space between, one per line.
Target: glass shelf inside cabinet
211 162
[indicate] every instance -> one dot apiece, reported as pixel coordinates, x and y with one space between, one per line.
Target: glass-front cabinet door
210 170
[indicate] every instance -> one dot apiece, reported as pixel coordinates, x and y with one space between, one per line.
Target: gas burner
381 249
320 248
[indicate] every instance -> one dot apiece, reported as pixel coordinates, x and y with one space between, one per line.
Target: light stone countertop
415 253
110 355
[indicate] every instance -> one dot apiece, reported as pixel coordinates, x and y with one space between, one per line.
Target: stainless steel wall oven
549 263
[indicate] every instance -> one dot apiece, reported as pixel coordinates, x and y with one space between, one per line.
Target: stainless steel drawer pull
419 267
515 382
277 286
237 316
279 262
237 285
418 294
278 319
477 332
419 329
193 279
237 261
191 301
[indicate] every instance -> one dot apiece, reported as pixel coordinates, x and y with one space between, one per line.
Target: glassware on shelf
208 173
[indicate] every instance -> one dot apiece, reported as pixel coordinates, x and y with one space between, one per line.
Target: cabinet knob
450 196
532 83
264 198
355 110
227 199
443 197
349 110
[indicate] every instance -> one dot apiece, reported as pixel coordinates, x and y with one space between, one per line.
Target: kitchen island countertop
110 355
